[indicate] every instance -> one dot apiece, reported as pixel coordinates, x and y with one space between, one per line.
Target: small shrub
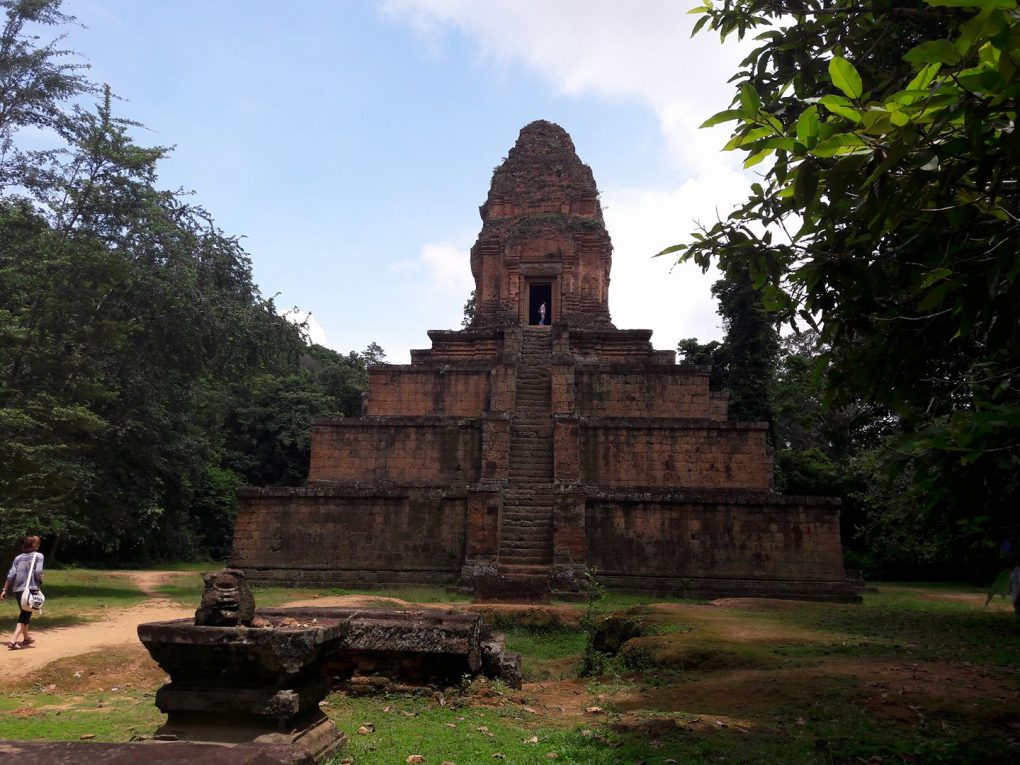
593 661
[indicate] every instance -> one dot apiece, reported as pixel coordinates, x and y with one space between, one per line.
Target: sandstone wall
416 391
338 535
676 454
772 544
402 450
638 391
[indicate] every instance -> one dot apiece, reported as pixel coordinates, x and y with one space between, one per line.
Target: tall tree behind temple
749 348
744 363
131 332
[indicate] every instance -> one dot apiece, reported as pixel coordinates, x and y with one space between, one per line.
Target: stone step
529 546
525 534
539 554
529 519
525 560
514 541
526 547
524 569
529 523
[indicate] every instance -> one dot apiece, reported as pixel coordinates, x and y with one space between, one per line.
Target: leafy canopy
887 215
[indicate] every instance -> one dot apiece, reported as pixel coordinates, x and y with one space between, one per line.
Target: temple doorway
539 294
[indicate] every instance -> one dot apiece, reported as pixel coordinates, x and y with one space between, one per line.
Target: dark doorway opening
539 295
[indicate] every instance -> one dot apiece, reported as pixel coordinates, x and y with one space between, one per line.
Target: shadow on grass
93 592
910 627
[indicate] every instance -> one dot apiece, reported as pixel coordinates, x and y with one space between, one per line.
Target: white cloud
653 293
405 267
639 50
314 330
449 270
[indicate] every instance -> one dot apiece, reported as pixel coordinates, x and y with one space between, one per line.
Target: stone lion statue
226 601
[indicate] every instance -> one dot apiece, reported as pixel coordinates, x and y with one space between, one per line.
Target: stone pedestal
246 684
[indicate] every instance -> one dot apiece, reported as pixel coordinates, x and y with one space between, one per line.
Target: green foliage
269 425
750 347
889 218
35 80
469 311
743 364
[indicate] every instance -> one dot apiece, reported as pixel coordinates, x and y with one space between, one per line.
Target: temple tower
512 455
543 239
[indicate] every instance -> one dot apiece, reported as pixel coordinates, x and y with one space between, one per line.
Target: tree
890 220
743 364
469 311
35 80
269 423
710 354
749 348
139 364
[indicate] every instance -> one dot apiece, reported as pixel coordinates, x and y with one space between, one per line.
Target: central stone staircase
526 526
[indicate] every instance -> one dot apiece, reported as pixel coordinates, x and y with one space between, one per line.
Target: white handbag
32 601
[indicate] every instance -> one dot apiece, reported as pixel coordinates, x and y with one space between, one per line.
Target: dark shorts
25 616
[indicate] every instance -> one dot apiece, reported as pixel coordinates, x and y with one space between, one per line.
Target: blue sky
351 142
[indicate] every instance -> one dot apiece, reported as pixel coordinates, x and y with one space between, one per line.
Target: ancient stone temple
542 440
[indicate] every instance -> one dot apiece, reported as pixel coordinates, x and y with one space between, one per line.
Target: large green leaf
845 77
807 126
933 52
841 106
728 115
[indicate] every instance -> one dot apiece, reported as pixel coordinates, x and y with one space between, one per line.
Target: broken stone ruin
244 676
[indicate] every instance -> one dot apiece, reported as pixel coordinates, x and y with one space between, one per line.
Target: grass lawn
915 674
75 596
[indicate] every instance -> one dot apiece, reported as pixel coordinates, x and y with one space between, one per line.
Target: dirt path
120 627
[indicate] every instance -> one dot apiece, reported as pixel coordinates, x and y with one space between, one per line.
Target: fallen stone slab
150 753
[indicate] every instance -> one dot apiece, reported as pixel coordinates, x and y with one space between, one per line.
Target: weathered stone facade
514 453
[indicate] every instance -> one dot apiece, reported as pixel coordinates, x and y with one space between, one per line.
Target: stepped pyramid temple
516 453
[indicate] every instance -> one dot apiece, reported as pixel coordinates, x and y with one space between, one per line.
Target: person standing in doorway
26 573
541 314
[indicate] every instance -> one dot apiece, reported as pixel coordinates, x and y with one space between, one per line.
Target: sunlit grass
823 718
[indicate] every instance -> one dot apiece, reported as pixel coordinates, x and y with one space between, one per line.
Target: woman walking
26 573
